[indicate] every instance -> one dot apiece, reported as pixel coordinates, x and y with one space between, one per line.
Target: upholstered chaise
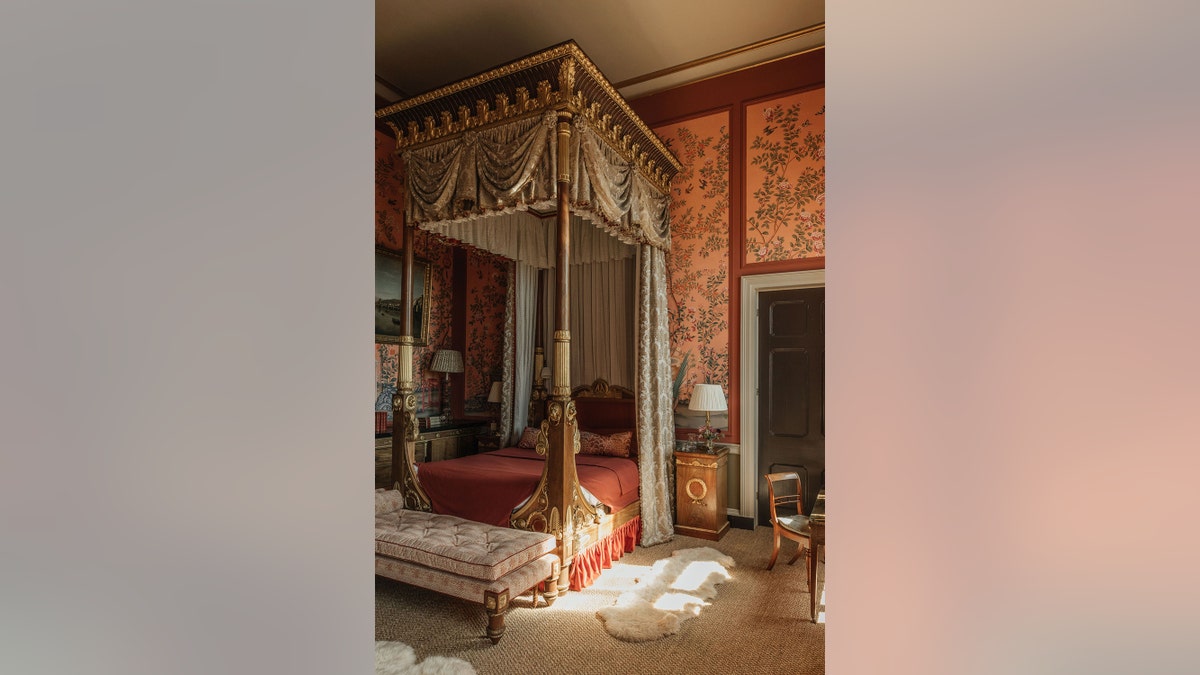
465 559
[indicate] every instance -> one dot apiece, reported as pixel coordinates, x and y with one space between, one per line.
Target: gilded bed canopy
489 145
542 161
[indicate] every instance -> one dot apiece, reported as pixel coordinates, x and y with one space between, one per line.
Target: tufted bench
465 559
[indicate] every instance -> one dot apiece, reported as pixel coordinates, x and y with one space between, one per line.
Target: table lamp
446 361
707 398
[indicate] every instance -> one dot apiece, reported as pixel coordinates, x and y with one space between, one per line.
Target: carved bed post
404 403
558 505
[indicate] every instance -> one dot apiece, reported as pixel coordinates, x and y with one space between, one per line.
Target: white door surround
751 287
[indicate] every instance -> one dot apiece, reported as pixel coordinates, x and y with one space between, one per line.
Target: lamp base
446 395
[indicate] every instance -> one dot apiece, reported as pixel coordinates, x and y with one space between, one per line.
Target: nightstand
700 494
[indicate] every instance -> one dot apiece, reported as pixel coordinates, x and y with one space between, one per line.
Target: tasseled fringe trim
587 565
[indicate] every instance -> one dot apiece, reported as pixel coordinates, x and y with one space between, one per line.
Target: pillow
528 438
387 501
616 445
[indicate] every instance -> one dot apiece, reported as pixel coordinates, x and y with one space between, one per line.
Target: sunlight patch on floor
696 573
679 602
622 577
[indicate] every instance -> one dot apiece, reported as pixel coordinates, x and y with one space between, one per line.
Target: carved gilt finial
566 79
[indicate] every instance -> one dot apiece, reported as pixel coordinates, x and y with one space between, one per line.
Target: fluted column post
404 403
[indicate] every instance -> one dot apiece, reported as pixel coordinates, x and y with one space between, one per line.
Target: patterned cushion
452 544
616 445
528 438
387 501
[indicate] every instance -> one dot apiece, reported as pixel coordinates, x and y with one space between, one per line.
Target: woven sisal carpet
758 623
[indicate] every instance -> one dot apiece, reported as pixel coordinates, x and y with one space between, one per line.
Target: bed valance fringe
525 237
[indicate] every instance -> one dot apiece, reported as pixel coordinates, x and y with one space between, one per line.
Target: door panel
788 416
791 395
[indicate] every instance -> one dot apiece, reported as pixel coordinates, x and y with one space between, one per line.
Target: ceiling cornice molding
720 56
799 41
387 90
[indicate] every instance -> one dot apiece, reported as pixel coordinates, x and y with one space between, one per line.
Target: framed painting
388 309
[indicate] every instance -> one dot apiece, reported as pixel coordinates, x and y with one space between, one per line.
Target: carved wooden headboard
606 409
601 389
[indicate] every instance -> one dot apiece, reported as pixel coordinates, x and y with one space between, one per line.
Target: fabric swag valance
510 167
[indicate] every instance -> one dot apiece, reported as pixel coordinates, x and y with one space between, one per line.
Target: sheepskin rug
397 658
674 590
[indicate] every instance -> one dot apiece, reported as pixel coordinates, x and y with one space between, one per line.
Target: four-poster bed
485 160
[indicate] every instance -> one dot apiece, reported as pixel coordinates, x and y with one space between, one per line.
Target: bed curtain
655 418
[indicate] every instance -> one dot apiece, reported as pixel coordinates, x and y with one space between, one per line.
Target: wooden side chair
793 526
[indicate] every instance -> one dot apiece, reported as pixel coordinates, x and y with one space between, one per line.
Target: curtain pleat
602 296
526 313
508 374
655 422
602 322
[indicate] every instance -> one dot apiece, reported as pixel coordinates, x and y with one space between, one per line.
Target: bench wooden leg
564 579
551 592
496 605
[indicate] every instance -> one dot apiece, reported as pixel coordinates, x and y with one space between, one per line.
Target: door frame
752 286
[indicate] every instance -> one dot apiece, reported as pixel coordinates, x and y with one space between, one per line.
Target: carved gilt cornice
560 78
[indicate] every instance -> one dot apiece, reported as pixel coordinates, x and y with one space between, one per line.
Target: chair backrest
795 497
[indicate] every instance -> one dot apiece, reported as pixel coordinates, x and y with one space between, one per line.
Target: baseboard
741 522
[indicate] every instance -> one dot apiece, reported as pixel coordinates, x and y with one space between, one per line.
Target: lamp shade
707 398
494 395
447 361
546 373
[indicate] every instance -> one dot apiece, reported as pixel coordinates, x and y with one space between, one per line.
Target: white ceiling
424 44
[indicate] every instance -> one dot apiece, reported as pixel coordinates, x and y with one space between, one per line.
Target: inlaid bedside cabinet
448 441
700 494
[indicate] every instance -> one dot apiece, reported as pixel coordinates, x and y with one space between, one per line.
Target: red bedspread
488 486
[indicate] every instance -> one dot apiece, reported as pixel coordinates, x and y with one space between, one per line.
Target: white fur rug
397 658
674 590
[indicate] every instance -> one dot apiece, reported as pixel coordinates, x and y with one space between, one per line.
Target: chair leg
774 552
812 583
800 548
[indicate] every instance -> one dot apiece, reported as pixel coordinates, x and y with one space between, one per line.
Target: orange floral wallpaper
698 265
785 178
389 193
487 288
389 204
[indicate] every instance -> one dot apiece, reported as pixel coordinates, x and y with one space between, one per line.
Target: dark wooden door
791 390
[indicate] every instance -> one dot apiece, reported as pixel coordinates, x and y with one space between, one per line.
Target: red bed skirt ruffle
588 564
